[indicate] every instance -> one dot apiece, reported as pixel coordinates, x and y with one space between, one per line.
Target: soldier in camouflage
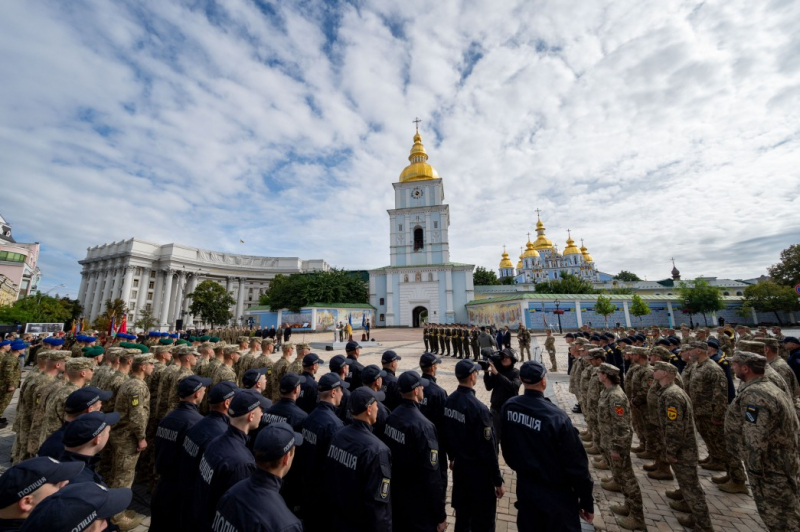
186 360
772 354
225 371
639 384
680 449
264 361
614 418
145 467
758 347
107 368
10 374
524 339
591 389
550 347
296 366
761 427
78 374
659 469
280 369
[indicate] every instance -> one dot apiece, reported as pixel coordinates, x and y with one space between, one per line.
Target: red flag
123 327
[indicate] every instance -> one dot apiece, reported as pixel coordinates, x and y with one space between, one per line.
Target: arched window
726 293
418 239
738 293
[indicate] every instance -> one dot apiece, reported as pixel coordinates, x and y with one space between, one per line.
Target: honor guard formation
252 432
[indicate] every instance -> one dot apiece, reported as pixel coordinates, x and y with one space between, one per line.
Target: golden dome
585 253
571 248
419 169
519 264
542 242
506 263
529 251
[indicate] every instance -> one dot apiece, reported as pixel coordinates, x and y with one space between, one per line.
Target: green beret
207 338
193 338
183 342
165 341
93 352
141 347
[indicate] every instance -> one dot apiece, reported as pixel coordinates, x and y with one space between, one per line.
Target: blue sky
652 130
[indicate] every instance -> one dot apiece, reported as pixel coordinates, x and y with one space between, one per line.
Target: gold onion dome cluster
585 253
529 251
506 262
571 248
419 169
542 242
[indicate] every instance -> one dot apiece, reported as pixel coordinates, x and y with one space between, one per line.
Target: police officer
432 404
256 504
792 346
419 495
227 460
353 349
554 486
390 360
372 377
503 382
307 399
83 440
214 424
359 467
340 366
471 448
168 444
81 401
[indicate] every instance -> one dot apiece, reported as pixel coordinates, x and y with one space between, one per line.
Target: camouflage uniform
550 347
209 368
176 377
594 389
164 392
77 350
639 386
146 464
133 405
280 369
223 373
524 339
583 382
112 384
37 418
296 366
677 425
782 368
30 395
575 377
761 428
264 362
9 378
614 418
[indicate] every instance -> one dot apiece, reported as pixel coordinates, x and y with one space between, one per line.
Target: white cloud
651 129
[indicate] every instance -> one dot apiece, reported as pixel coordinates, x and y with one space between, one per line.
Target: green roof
583 297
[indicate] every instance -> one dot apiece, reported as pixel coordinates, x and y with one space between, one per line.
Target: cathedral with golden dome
541 260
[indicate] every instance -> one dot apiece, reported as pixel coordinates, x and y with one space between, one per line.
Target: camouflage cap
243 339
79 364
57 355
751 346
641 351
752 360
665 366
206 345
268 341
597 353
163 349
128 354
287 345
41 356
699 344
303 346
143 358
661 352
256 340
607 368
773 343
580 341
230 349
187 352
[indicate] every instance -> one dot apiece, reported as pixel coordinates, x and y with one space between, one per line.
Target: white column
180 286
627 314
88 297
98 294
84 283
157 296
125 293
448 291
239 301
189 290
578 315
116 291
165 323
141 297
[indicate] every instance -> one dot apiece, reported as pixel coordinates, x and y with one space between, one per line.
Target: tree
146 320
638 307
605 308
508 281
484 277
301 289
626 276
211 302
787 271
620 291
700 298
114 310
769 296
567 284
41 308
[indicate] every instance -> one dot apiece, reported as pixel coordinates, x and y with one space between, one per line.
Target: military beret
144 358
751 346
205 338
661 352
18 345
790 340
165 341
752 360
183 342
626 340
174 336
5 343
154 334
608 369
713 342
665 366
597 353
57 356
94 352
79 364
595 338
214 339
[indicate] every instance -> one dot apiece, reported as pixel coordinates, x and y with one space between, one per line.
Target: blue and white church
420 284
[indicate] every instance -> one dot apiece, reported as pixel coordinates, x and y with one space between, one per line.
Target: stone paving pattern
729 512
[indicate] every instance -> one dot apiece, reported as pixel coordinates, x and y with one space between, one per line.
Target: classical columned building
160 278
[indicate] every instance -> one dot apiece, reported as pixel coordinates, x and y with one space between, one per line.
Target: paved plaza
729 512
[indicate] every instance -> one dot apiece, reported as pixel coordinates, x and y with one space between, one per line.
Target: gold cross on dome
416 121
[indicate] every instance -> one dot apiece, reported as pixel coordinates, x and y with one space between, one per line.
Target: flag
81 325
363 320
350 319
111 331
123 327
74 327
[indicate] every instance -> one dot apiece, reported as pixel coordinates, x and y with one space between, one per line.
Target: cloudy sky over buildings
651 129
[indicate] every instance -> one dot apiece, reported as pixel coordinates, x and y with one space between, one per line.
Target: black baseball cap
28 476
390 356
410 380
275 440
429 359
663 341
290 381
83 398
371 373
251 376
329 381
790 339
465 368
352 346
87 427
76 506
191 384
337 362
532 372
712 342
311 359
245 401
361 398
222 391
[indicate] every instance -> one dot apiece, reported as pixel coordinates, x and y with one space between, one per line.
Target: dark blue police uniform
419 497
470 443
225 462
286 411
308 393
318 430
553 480
723 362
794 362
53 446
380 423
194 445
615 358
432 407
255 504
358 467
89 466
354 378
168 496
390 389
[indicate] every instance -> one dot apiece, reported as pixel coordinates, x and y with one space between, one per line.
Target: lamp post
558 313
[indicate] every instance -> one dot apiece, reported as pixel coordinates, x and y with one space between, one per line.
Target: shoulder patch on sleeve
487 433
619 409
672 413
385 488
135 400
434 457
751 413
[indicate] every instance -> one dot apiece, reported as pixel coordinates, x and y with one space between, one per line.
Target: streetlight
558 313
56 286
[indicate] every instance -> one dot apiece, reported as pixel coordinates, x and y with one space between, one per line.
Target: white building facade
160 277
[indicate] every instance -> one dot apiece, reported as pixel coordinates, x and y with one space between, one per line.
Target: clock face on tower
417 192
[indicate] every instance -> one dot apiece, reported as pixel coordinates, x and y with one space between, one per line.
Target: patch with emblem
135 400
38 397
434 457
487 433
385 488
672 413
619 409
751 413
269 372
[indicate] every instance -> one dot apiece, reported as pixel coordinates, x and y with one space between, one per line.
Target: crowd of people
241 436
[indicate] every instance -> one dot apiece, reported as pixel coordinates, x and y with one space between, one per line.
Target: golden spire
529 251
519 264
506 262
585 253
571 248
419 169
542 242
